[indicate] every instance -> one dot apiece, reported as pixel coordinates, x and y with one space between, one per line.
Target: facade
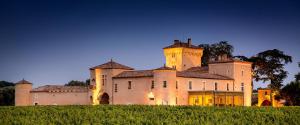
181 81
50 95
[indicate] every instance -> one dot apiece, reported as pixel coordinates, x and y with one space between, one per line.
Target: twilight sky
52 42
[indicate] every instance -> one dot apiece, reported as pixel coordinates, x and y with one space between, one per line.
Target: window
103 80
203 85
216 86
176 100
190 84
176 84
129 84
227 87
116 87
266 93
242 72
165 84
152 85
242 86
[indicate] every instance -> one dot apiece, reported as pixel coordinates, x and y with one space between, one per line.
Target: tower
22 93
182 56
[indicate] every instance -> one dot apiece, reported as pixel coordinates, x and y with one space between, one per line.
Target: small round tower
22 93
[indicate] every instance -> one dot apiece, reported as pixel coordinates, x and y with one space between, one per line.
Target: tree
7 93
78 83
269 66
215 50
297 76
291 93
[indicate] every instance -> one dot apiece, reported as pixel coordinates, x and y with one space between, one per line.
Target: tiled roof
135 74
60 88
190 74
23 82
182 44
111 65
198 69
164 68
229 61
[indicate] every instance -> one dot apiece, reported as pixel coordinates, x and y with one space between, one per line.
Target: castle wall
199 85
60 98
140 88
241 72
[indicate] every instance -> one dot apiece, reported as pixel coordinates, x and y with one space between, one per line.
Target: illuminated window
190 84
165 84
152 85
242 86
216 86
176 84
227 87
116 87
129 84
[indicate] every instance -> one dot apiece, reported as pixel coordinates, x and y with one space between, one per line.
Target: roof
60 88
164 68
111 65
178 43
23 82
135 74
191 74
198 69
230 61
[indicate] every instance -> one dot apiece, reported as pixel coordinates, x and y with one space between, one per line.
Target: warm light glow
150 95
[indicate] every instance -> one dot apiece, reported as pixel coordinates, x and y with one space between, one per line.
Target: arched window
190 85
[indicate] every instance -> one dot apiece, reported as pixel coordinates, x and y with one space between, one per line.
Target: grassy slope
148 115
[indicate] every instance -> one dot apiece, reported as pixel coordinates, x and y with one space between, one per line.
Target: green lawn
135 114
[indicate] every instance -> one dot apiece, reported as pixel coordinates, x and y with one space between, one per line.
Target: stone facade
182 81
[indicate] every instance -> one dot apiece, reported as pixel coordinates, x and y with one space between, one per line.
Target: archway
104 99
266 103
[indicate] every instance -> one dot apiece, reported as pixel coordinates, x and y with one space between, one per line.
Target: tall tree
215 50
291 93
7 93
269 66
76 83
297 76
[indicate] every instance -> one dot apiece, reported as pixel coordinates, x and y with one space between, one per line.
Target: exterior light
151 96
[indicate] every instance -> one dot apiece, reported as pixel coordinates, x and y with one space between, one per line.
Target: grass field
109 114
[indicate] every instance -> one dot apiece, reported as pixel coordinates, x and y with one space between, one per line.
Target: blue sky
53 42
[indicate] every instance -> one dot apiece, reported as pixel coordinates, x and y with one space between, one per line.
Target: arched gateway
104 99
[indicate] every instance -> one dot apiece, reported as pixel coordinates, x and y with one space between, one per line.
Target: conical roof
112 65
23 82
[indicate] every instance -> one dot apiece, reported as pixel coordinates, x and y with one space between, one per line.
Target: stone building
181 81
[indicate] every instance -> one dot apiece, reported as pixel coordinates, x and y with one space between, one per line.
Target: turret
22 93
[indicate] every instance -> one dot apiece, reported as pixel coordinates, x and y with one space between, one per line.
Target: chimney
189 41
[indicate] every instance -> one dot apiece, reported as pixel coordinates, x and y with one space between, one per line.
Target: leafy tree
77 83
269 66
291 93
7 93
215 50
297 76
